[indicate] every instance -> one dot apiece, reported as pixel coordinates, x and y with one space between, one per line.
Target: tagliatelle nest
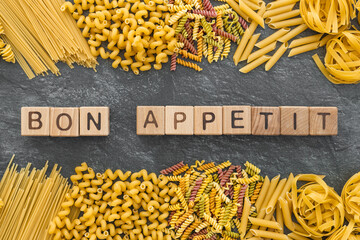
327 16
342 60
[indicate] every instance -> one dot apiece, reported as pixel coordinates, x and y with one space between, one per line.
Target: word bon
65 122
237 120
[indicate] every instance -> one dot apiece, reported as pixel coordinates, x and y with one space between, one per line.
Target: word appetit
237 120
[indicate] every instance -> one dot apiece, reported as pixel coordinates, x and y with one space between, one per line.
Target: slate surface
294 81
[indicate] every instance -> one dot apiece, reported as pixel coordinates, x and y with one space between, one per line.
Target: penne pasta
283 16
251 66
258 2
293 33
305 40
277 55
279 217
280 3
237 9
252 5
287 186
286 214
272 38
245 218
271 235
272 187
265 223
249 12
275 196
277 11
250 46
261 52
287 23
263 193
296 236
304 48
248 33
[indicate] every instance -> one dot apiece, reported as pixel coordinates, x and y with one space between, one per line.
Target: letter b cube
35 121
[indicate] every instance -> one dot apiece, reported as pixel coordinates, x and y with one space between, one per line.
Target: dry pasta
304 48
350 195
305 40
43 38
30 199
342 58
213 201
115 205
277 55
322 16
138 35
326 216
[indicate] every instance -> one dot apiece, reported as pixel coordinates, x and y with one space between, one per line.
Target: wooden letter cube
64 122
265 121
323 121
208 120
237 120
150 120
94 121
295 121
179 120
35 121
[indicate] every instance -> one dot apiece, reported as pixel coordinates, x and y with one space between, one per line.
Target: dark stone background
293 81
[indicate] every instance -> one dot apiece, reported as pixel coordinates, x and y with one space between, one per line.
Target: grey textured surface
295 81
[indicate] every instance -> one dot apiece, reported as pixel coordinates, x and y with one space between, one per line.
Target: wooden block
265 121
207 120
94 121
323 121
35 121
150 120
64 122
237 120
179 120
295 121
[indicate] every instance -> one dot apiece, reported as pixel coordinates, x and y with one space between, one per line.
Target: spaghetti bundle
327 16
30 200
41 35
342 59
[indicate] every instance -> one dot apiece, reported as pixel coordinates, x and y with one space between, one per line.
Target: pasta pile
350 196
323 16
214 200
342 58
40 35
115 205
135 34
317 207
30 200
328 16
278 15
204 31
